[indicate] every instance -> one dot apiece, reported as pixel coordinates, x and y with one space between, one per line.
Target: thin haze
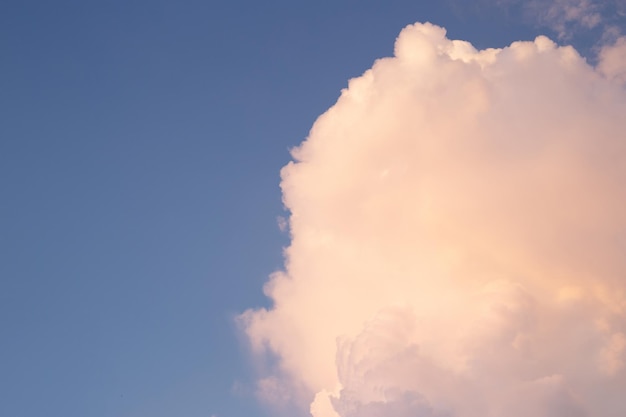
569 18
457 239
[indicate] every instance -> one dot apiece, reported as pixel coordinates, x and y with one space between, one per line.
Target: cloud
458 239
565 15
613 61
569 17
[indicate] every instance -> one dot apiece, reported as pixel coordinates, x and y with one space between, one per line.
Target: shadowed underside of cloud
458 239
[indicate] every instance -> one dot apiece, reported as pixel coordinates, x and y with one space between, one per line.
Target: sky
447 239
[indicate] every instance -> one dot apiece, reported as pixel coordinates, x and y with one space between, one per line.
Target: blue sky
140 149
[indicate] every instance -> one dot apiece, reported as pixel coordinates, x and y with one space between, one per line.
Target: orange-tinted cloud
458 239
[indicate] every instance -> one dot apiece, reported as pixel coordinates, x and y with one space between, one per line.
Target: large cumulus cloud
458 239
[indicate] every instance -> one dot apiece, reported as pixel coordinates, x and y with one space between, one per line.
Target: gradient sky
140 149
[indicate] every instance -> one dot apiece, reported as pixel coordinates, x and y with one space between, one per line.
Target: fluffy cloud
458 239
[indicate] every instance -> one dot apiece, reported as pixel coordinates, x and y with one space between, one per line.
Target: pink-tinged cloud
458 239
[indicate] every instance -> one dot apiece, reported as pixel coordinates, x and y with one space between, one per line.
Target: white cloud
458 239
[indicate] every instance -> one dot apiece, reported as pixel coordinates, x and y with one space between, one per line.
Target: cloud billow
458 239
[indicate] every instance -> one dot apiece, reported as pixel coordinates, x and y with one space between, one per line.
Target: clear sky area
141 147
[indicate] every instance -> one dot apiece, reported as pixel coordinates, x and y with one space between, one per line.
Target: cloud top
457 239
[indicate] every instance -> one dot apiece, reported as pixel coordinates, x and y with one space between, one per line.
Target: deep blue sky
140 149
